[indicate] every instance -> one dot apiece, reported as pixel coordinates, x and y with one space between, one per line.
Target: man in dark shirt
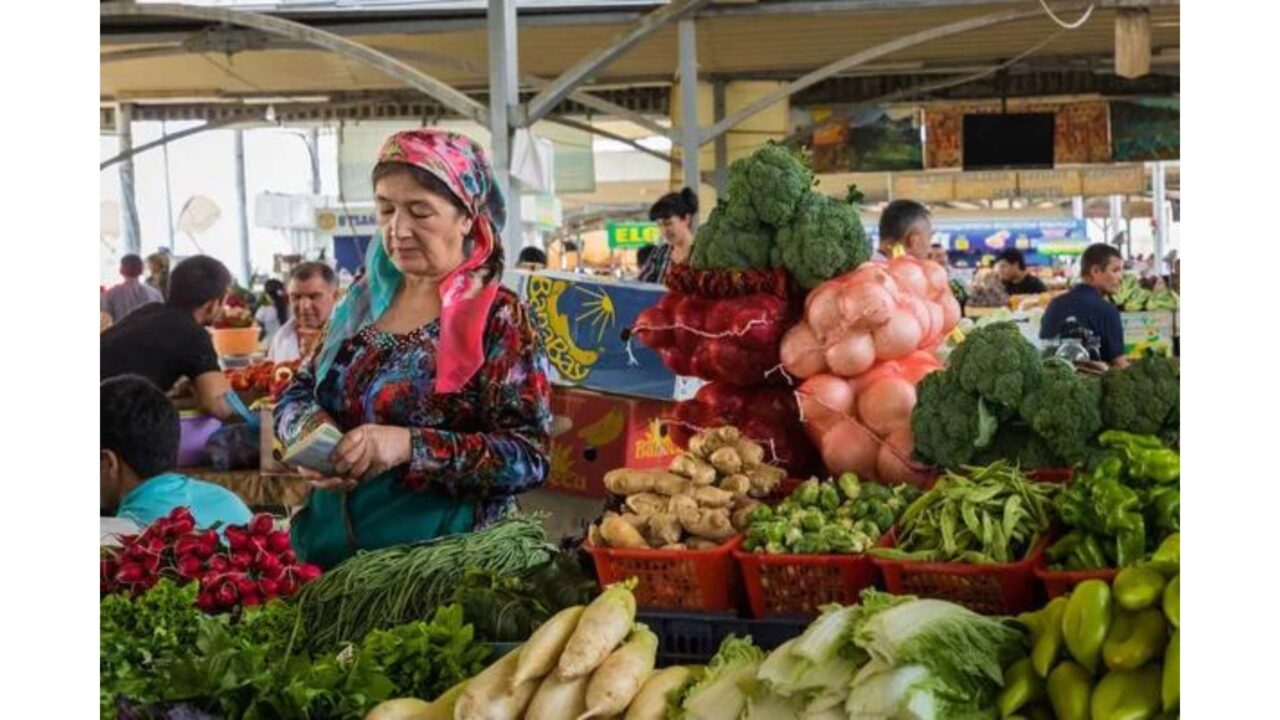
166 342
1011 266
1101 270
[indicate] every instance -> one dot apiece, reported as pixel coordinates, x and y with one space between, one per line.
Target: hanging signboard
1049 183
631 235
986 185
1118 180
924 187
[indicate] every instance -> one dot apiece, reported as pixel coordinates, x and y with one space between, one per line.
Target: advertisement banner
601 432
582 321
631 235
970 243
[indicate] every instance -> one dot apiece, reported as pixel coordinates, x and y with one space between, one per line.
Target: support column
1077 207
1159 215
168 194
313 148
720 178
504 96
690 134
129 231
1117 216
242 211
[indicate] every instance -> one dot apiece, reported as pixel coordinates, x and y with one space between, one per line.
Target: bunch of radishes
256 564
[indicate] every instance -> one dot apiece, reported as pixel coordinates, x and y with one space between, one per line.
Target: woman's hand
370 450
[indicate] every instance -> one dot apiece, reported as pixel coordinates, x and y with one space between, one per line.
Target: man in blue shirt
139 439
1101 270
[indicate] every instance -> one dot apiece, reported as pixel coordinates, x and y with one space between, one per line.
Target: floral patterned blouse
488 441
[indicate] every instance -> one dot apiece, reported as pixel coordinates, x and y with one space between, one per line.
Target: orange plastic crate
779 584
995 589
687 579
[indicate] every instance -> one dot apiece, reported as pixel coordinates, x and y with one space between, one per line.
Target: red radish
189 568
886 406
852 355
801 353
129 573
182 526
268 587
250 599
848 447
207 602
278 542
267 563
237 537
241 560
287 586
246 585
288 557
220 563
308 572
262 524
226 595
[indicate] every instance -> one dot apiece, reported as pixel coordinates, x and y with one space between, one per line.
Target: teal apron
376 514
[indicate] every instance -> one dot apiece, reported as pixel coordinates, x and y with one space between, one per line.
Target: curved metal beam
211 125
397 69
865 56
589 128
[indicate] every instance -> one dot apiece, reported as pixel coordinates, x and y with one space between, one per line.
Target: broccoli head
1015 442
721 244
771 182
949 426
1063 409
1142 398
824 239
998 363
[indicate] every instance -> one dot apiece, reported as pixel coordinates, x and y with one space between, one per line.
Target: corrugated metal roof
727 45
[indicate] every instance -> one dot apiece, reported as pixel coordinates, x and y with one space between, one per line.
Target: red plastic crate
1061 582
688 579
800 584
995 589
1052 475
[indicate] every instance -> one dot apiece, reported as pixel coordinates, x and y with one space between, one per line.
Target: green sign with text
631 235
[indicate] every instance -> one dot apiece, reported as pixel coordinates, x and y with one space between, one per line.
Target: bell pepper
1048 642
1173 601
1128 694
1166 557
1091 554
1086 621
1137 588
1022 686
1163 508
1110 467
1124 440
1161 466
1170 683
1135 638
1069 689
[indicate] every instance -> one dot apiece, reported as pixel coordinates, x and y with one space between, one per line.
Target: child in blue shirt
139 439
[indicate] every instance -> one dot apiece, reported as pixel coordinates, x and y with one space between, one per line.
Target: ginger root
705 443
726 461
619 533
646 504
764 479
709 523
712 497
664 529
671 484
694 468
737 484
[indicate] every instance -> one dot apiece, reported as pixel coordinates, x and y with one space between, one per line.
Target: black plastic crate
686 638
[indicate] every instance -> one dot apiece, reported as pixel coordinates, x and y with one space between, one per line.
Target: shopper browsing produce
1101 272
169 341
312 291
131 293
674 213
1011 266
139 456
431 371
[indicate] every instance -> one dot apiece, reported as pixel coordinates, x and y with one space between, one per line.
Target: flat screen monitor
1013 140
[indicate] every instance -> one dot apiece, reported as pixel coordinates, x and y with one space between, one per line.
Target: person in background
1101 270
139 435
1011 266
312 292
165 342
131 293
158 271
938 254
532 258
674 214
905 224
275 313
643 255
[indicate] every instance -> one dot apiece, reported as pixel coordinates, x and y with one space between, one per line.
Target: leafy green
1142 398
825 239
722 691
1063 410
507 608
139 638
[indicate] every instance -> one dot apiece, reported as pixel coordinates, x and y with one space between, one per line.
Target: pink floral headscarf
463 167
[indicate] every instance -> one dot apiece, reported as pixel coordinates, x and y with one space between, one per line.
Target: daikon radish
619 678
651 702
603 625
400 709
558 699
489 696
801 353
542 651
852 355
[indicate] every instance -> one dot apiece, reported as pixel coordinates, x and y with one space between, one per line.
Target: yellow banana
605 430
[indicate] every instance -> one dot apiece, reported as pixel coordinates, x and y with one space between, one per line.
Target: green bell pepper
1161 466
1086 621
1070 687
1134 638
